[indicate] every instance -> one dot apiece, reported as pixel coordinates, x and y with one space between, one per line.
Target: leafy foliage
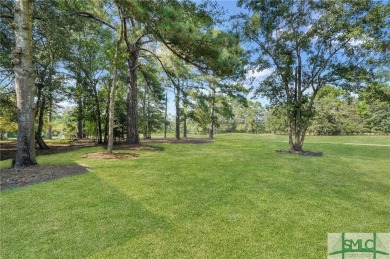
309 44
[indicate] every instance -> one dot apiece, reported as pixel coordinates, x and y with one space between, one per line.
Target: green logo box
358 245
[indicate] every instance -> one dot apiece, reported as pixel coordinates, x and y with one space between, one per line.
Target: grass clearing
235 197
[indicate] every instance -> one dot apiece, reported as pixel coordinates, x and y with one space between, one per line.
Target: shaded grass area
235 197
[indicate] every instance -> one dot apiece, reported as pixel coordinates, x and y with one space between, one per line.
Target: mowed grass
234 198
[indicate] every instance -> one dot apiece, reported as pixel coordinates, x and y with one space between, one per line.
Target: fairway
233 198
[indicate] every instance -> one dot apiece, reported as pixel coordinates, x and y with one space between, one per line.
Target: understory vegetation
235 197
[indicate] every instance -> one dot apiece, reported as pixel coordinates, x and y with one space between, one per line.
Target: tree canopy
309 44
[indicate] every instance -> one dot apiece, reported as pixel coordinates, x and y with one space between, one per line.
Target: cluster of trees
94 52
117 62
338 112
310 44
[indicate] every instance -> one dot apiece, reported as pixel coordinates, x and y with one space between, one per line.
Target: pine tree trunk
145 119
185 126
211 128
132 99
166 115
177 106
148 120
111 112
24 84
49 134
98 116
185 107
80 115
106 120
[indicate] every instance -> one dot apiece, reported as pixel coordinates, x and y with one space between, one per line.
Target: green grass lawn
234 198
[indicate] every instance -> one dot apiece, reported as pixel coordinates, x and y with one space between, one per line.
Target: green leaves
309 44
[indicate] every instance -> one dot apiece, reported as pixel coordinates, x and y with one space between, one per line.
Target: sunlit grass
235 197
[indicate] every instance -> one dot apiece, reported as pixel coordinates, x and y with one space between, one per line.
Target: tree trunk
297 143
185 125
297 127
111 110
41 112
98 115
145 126
166 114
148 120
40 142
38 134
133 50
24 84
132 99
211 128
106 119
80 117
149 130
185 107
177 106
49 134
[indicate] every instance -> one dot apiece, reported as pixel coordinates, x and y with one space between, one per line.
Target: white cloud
259 75
356 42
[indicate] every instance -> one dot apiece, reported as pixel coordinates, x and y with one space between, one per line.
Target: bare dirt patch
102 155
301 153
11 178
137 147
8 148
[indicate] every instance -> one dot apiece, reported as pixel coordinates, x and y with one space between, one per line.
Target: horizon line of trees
336 113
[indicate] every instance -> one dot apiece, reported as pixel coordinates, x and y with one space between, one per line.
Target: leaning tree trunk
38 133
24 84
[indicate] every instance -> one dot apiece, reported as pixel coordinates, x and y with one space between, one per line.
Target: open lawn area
233 198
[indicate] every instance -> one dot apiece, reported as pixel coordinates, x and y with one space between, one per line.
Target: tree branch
8 16
183 57
89 15
162 65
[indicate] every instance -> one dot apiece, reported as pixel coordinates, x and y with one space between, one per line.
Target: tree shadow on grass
71 218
